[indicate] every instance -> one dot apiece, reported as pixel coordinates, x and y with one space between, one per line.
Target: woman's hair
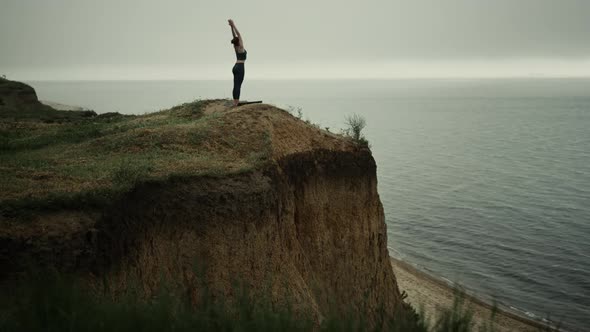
235 41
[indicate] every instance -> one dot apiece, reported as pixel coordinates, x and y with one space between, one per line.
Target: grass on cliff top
49 163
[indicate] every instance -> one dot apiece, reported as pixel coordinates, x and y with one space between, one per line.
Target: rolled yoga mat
249 102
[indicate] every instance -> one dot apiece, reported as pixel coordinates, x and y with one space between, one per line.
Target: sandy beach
431 295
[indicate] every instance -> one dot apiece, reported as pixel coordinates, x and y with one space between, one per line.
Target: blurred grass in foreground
56 303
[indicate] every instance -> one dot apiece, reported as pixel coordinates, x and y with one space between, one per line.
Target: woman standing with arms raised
239 69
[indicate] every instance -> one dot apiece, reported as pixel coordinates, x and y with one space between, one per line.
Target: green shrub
56 303
52 302
355 125
458 318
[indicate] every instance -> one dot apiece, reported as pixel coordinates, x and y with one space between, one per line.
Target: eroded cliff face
307 229
310 229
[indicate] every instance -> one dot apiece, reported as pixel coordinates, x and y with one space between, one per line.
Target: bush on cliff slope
355 125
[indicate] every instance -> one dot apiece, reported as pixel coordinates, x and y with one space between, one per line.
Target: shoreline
62 107
429 294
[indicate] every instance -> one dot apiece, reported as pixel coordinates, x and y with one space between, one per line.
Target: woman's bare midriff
241 61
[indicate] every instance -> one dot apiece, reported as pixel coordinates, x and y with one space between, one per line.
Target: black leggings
239 71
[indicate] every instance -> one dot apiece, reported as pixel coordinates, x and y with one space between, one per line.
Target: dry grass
56 163
44 162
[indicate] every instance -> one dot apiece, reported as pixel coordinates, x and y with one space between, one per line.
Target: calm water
486 183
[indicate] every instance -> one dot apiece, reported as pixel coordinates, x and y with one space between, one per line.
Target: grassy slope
55 160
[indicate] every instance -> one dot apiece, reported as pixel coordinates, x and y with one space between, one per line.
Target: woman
238 69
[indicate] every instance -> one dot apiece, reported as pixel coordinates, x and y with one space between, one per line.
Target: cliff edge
249 194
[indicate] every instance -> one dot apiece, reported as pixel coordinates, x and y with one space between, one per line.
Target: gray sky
178 39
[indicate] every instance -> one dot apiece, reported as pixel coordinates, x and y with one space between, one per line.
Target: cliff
17 95
249 194
19 101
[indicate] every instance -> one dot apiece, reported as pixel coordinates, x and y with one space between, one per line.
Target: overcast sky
178 39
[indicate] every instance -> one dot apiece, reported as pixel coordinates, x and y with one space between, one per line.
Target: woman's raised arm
236 32
231 25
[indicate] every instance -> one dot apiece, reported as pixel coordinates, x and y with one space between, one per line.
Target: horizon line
439 78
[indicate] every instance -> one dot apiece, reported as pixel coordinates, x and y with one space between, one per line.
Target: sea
484 182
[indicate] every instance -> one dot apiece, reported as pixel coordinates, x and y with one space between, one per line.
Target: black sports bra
241 56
